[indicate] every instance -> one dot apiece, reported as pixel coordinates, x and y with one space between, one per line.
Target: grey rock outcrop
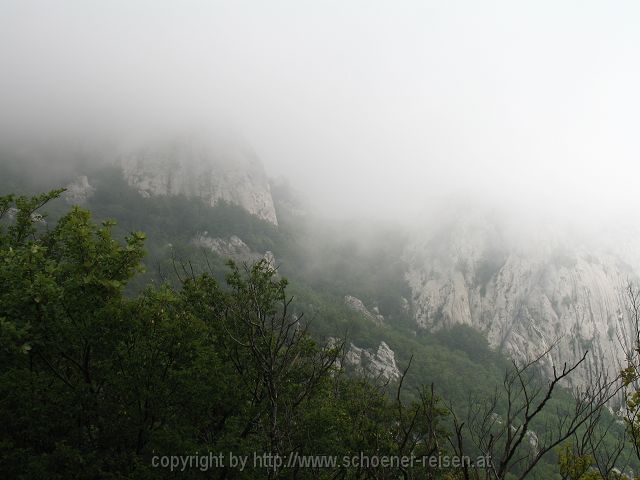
525 290
195 168
233 248
357 305
381 363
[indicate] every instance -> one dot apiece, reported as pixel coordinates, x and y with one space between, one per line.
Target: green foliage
103 370
576 467
97 385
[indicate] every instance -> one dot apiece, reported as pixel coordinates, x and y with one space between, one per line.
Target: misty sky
370 107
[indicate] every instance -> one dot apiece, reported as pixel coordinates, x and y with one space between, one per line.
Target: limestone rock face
233 248
381 363
197 168
525 290
357 305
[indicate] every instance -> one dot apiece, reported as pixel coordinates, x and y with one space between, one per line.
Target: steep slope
524 288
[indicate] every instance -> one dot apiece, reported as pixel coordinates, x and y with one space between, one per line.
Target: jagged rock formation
381 363
194 168
524 289
532 439
357 305
233 248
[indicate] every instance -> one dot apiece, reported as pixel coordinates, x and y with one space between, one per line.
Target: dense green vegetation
109 360
98 385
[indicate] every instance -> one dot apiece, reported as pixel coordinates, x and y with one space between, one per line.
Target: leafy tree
96 383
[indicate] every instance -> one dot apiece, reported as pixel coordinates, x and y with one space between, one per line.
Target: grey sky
369 106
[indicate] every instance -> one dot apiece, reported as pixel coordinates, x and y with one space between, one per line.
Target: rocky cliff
525 288
211 171
357 305
379 363
234 249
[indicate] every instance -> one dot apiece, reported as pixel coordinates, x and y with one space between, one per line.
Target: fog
372 108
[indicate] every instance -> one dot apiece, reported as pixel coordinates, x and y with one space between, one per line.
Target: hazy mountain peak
195 166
